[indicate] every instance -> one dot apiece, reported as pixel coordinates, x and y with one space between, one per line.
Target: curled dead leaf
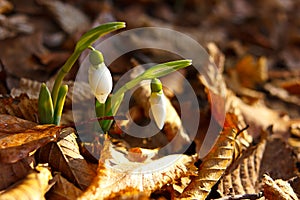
14 147
20 106
13 172
33 186
116 174
278 189
64 156
63 189
213 165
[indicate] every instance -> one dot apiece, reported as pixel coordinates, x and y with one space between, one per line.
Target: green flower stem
63 90
61 75
84 42
45 106
154 72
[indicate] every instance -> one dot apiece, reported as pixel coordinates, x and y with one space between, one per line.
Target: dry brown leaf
278 151
278 189
63 189
11 124
76 94
211 77
33 186
14 147
243 175
117 175
259 117
252 72
13 172
13 25
213 165
64 156
65 14
20 106
5 6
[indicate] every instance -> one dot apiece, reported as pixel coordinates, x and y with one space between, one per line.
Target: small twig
240 131
242 196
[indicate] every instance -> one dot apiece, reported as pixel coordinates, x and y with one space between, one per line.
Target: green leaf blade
92 35
165 68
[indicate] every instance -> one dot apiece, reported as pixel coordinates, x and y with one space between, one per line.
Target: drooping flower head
158 103
100 78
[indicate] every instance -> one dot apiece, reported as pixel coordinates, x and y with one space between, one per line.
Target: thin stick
243 196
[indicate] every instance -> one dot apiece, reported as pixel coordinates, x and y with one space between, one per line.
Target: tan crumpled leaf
267 117
117 175
280 89
278 189
11 124
64 156
211 77
213 165
242 177
65 14
63 189
13 25
33 186
5 6
76 94
252 72
13 172
14 147
20 106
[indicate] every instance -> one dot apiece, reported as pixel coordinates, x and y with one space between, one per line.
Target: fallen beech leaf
5 6
13 25
63 189
243 175
214 163
14 147
282 94
278 189
78 92
251 72
20 106
216 91
13 172
117 175
65 14
259 117
33 186
64 156
278 150
11 124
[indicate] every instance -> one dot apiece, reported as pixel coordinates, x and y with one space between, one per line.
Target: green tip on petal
156 85
96 57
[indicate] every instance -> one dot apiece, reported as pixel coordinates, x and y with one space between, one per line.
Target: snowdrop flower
100 78
158 103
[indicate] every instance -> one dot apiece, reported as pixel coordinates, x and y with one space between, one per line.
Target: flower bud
100 78
158 103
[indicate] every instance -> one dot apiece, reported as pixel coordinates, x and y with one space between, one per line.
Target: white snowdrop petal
158 108
100 81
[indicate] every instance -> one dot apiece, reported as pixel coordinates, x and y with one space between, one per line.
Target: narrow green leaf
45 106
84 42
63 90
165 68
92 35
